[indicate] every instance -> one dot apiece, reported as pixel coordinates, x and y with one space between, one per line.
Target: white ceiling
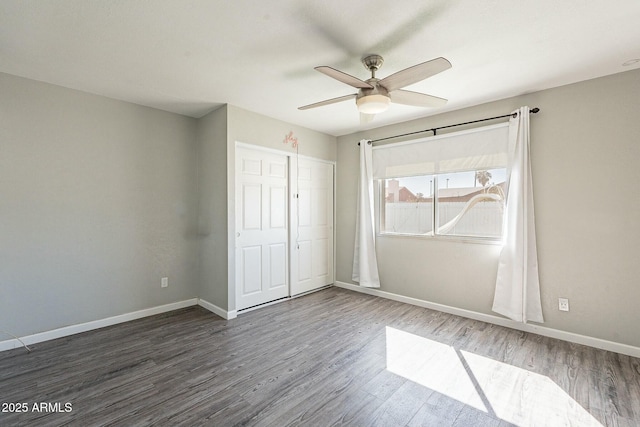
189 56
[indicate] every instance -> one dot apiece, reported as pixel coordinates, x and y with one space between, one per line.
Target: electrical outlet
164 282
563 304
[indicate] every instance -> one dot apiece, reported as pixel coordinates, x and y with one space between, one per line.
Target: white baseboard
228 315
95 324
526 327
540 330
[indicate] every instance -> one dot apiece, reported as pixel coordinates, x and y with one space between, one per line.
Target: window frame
380 205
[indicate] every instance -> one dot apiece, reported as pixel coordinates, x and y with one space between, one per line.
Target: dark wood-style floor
330 358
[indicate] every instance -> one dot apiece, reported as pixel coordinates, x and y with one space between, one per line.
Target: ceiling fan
374 95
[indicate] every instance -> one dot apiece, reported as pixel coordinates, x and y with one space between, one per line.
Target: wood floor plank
402 405
439 410
470 416
333 357
384 384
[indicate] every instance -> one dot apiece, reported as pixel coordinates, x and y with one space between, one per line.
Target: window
469 204
407 205
446 185
471 210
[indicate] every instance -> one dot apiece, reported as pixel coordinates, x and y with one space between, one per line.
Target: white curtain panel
365 264
517 294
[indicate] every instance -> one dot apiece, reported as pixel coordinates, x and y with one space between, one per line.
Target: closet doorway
284 225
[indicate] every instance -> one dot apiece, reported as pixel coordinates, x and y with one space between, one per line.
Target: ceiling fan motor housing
376 90
373 101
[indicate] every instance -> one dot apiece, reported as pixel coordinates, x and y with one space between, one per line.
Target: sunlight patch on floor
506 392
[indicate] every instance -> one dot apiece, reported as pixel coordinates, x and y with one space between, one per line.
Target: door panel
312 226
321 266
252 167
278 170
261 227
277 265
278 207
252 270
304 260
304 207
251 212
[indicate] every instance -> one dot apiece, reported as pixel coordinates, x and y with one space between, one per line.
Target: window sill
443 238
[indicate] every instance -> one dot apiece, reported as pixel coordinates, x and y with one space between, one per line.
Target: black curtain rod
434 130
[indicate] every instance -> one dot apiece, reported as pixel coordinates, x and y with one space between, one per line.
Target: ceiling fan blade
415 74
328 101
366 118
416 99
344 77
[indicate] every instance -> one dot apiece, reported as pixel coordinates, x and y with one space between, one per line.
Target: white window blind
475 149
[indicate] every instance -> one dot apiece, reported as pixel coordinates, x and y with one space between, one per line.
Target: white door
312 225
262 227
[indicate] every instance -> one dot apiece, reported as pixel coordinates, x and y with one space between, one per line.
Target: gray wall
97 203
100 198
584 158
252 128
212 207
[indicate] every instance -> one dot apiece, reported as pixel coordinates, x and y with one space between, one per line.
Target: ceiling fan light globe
373 104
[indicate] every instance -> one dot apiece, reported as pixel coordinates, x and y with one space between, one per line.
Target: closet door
262 227
312 225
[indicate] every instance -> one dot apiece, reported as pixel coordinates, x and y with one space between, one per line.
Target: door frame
231 217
